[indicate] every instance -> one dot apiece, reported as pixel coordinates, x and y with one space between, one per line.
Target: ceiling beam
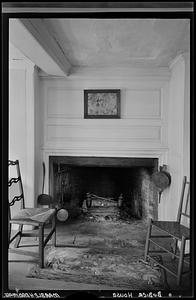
37 28
37 45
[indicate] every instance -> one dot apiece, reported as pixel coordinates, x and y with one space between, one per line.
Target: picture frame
102 104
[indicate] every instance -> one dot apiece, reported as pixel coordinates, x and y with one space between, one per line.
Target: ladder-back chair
35 217
172 229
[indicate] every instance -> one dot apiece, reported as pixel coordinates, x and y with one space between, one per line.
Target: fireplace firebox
71 179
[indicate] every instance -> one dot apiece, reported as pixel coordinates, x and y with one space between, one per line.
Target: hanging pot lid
161 179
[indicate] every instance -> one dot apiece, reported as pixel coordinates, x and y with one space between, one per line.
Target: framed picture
101 104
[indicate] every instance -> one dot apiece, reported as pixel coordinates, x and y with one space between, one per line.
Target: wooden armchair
36 217
171 229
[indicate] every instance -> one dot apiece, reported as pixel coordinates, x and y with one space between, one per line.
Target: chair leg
174 248
147 239
164 273
41 246
18 238
9 233
181 260
54 227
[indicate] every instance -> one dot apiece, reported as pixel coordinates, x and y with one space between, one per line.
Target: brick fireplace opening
71 179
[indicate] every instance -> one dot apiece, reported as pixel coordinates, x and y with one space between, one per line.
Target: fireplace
71 179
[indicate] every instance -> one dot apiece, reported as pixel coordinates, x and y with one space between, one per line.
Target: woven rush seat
39 215
173 228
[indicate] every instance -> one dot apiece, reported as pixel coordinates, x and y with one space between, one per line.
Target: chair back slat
17 181
16 198
187 200
185 215
184 206
13 180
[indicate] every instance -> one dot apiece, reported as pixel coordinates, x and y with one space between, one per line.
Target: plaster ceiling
120 42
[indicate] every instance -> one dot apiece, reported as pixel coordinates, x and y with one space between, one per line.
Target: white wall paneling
142 130
143 122
102 133
152 121
143 104
64 103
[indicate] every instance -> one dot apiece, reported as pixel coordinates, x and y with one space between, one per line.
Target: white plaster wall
186 142
17 117
179 132
21 121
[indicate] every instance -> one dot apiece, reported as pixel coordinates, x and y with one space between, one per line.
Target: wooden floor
20 265
69 233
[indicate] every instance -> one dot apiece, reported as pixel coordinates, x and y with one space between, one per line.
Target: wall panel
63 103
143 104
143 122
